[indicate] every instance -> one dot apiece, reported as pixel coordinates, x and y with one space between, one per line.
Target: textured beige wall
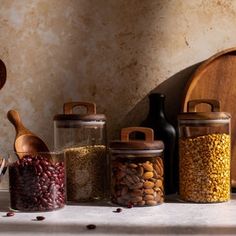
112 52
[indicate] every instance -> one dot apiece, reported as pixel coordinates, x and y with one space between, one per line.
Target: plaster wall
111 52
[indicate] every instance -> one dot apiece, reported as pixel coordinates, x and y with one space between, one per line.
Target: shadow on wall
119 48
173 88
104 50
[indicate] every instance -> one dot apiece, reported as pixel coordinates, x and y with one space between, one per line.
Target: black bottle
164 131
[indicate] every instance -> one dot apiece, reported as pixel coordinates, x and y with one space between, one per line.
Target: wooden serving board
215 78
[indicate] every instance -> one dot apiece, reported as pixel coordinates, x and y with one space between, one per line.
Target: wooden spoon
25 140
3 74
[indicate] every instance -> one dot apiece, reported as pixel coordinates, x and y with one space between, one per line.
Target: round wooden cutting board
215 78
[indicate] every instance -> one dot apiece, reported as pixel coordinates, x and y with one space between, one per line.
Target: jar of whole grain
82 136
204 153
137 169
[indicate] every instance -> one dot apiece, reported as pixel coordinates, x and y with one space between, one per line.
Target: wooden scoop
25 140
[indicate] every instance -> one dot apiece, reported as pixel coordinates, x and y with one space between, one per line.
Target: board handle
192 105
149 134
69 106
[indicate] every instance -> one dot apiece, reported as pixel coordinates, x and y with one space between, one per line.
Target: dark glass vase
164 131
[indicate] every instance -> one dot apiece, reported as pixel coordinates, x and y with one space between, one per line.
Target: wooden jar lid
90 115
127 144
214 114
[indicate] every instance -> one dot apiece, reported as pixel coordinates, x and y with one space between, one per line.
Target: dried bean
40 218
118 210
205 168
10 213
91 226
32 189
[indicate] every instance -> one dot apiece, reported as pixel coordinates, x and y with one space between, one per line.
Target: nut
148 184
149 191
148 197
151 203
133 182
132 165
140 171
158 168
159 183
147 175
147 166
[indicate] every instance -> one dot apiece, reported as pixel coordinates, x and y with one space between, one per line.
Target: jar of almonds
137 169
82 136
204 153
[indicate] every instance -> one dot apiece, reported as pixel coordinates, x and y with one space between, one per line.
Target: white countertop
172 218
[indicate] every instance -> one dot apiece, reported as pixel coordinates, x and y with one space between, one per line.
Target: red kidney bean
130 205
48 173
91 226
39 218
10 213
50 168
39 168
36 184
118 210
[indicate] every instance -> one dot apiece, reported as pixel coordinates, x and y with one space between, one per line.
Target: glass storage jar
36 181
204 153
83 138
137 169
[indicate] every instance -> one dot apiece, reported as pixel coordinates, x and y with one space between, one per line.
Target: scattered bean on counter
91 226
118 210
40 218
36 184
205 168
10 213
137 182
86 172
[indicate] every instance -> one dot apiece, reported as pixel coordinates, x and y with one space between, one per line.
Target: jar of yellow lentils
204 153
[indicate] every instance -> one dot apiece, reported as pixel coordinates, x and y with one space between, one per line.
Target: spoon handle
14 118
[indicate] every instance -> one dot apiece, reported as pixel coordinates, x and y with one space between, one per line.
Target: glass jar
137 169
204 153
3 167
36 181
83 138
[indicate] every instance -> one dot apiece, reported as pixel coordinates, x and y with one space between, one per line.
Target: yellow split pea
205 168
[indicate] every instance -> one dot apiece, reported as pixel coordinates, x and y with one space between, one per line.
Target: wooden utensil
216 79
3 74
25 140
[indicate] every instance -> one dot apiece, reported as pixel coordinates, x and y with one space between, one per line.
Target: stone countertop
170 218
